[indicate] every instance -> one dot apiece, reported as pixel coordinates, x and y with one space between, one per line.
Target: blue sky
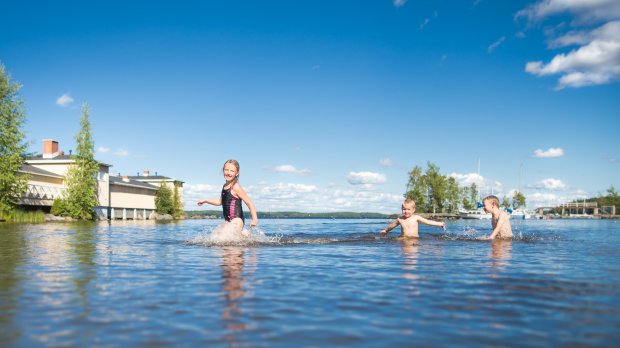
328 104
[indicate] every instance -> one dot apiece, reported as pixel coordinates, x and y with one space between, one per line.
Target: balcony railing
41 194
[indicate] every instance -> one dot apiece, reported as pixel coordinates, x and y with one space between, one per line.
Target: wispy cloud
595 29
551 152
64 100
121 153
426 21
287 168
386 162
496 44
399 3
103 149
549 184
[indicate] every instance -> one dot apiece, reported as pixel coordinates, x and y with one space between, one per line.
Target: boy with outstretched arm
408 221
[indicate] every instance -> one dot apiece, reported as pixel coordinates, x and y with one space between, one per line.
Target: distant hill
294 215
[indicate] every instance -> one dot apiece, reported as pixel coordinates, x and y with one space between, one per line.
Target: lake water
309 283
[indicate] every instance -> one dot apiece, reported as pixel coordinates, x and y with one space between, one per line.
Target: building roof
116 180
62 159
28 169
152 178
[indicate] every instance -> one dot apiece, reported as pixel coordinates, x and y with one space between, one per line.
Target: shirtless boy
408 221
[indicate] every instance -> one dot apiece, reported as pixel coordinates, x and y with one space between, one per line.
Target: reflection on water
324 283
410 249
13 248
500 253
235 275
83 248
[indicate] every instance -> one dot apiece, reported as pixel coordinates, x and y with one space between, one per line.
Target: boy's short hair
409 201
493 199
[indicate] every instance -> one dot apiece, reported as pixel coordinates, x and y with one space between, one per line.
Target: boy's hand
383 233
443 225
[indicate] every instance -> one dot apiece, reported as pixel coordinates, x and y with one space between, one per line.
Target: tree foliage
518 200
177 206
432 191
506 202
611 199
12 146
164 200
81 194
417 189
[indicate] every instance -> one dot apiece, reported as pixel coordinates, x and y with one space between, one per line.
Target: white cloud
595 29
300 197
585 11
103 149
287 168
386 162
496 44
549 184
121 153
551 152
400 3
485 186
192 193
365 178
549 199
64 100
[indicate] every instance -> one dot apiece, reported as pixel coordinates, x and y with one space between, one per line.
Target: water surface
310 283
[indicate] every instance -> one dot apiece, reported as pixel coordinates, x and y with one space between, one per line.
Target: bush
59 207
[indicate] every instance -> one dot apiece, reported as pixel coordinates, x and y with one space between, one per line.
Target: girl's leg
238 223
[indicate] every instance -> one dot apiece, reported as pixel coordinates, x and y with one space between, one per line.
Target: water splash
227 234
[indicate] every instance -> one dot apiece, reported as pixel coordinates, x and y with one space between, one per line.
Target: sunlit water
309 283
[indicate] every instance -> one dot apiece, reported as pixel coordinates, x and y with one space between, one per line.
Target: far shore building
119 197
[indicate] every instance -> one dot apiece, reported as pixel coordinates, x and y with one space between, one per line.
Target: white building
119 197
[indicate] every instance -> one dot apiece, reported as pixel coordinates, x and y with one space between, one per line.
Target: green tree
612 198
437 186
518 200
465 198
177 207
81 193
506 202
452 195
12 146
163 199
417 189
474 195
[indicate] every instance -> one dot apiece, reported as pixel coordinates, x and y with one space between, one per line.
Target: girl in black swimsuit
231 197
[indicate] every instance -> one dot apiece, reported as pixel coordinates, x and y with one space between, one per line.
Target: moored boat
474 214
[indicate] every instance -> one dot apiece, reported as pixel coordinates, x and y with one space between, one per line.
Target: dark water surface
309 283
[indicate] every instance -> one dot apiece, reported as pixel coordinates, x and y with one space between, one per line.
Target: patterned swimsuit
231 205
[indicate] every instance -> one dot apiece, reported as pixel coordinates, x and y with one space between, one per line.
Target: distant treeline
295 215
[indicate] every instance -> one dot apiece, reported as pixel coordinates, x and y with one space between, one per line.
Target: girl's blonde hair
236 164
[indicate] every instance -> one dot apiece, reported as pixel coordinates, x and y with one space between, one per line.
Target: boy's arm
390 227
432 223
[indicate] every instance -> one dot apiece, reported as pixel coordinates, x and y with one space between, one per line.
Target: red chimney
50 148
